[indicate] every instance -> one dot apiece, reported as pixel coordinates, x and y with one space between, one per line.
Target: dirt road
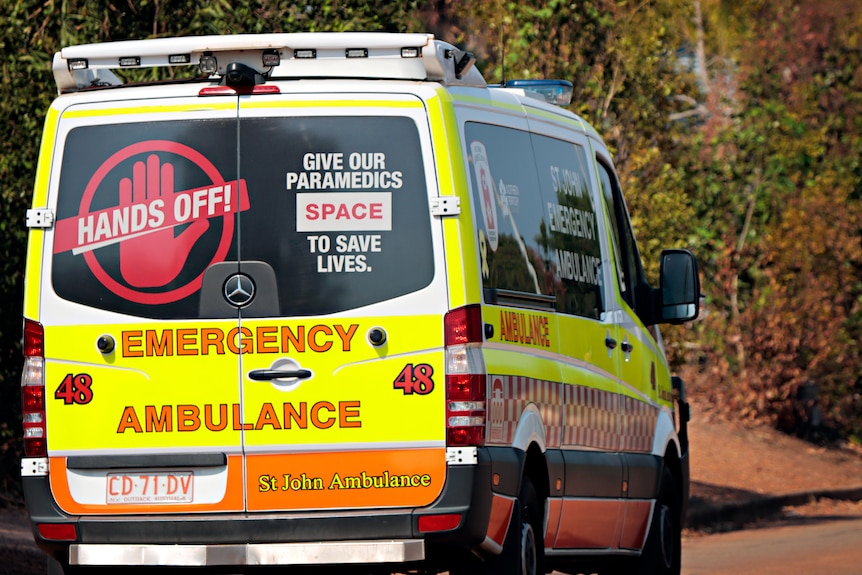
18 553
831 546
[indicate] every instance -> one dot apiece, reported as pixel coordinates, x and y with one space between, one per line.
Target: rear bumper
331 552
364 536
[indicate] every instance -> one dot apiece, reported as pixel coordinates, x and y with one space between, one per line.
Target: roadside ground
743 477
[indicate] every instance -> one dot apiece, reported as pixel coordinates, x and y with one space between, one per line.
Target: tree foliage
736 129
778 203
622 59
33 31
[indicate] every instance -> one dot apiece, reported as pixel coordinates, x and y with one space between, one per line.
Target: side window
570 230
536 219
509 215
625 249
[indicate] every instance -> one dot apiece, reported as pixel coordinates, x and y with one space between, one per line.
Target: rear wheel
57 568
524 547
663 550
62 568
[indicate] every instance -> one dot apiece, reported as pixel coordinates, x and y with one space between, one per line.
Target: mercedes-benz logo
239 290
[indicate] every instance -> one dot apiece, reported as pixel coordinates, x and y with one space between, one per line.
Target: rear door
269 287
342 366
143 397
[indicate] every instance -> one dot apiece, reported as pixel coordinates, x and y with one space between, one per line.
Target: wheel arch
536 468
530 438
668 447
673 463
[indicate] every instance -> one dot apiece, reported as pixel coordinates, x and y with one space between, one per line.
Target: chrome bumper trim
333 552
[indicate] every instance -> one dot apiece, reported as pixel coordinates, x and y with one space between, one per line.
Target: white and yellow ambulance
331 299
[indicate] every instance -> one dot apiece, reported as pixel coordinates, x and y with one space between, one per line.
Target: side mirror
680 286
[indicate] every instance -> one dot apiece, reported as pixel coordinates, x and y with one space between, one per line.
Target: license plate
154 487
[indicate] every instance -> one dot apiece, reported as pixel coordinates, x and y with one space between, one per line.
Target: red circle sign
200 161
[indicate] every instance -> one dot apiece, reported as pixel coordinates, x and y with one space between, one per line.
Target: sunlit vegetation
736 128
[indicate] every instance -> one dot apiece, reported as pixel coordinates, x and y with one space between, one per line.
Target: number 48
75 389
415 379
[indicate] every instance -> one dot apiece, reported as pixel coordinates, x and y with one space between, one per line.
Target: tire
524 546
663 550
57 568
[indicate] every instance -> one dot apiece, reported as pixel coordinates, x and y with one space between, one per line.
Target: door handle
270 374
627 347
610 342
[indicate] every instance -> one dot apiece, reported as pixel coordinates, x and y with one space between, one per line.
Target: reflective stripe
462 265
409 103
498 522
76 112
590 524
36 240
573 415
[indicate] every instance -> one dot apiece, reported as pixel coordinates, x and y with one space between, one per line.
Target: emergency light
274 56
208 64
557 92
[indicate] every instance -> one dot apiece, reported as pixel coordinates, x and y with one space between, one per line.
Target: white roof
79 67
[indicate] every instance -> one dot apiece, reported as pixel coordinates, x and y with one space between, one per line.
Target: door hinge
40 218
462 455
445 206
34 466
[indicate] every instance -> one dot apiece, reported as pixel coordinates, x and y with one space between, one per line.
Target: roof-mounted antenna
502 57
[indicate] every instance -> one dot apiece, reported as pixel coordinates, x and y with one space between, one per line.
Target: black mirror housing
679 287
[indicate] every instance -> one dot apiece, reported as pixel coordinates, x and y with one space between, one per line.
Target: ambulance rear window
325 214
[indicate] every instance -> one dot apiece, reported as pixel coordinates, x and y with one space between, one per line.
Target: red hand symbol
154 259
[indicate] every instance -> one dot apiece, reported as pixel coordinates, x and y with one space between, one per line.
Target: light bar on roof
208 64
271 58
356 53
300 55
557 92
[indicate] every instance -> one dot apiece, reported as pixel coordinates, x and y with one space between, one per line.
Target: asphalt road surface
817 546
830 545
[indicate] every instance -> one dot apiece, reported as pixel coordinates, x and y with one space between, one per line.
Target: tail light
57 531
443 522
466 379
33 391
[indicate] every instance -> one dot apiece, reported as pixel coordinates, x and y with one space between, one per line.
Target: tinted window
571 230
536 218
129 237
145 209
509 214
342 210
625 249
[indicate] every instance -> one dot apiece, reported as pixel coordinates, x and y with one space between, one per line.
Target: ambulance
316 300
